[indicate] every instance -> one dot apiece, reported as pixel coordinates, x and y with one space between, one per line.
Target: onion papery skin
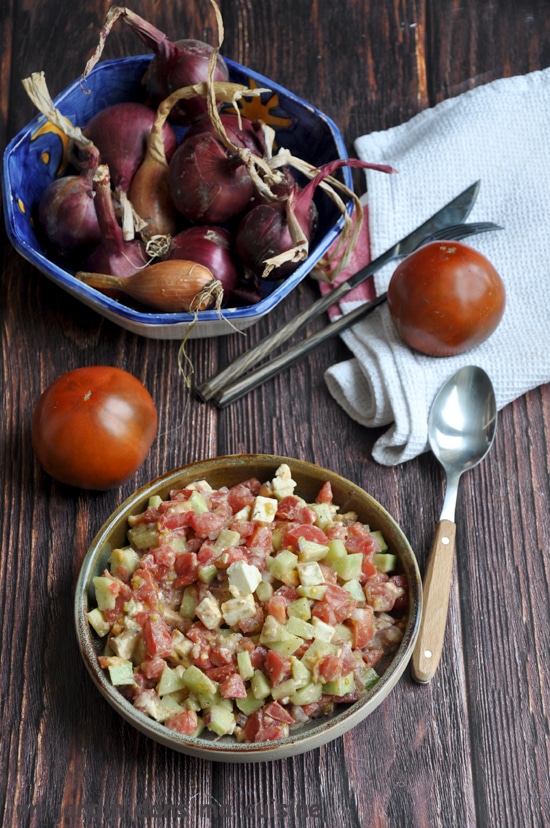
207 185
213 248
180 64
120 133
67 214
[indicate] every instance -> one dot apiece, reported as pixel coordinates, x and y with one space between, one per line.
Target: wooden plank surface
470 749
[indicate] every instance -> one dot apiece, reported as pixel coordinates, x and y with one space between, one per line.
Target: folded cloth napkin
497 133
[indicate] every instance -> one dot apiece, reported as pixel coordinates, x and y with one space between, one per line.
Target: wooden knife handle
435 603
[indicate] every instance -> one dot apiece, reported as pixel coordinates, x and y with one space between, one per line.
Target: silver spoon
461 430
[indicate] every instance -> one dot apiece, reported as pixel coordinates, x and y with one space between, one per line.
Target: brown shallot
169 287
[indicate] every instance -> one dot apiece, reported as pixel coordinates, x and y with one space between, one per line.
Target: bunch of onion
66 208
174 65
151 193
121 132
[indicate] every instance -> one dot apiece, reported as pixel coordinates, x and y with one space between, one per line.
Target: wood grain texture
472 748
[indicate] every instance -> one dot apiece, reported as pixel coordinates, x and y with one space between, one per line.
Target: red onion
120 132
273 238
67 214
208 183
211 247
113 254
174 65
240 131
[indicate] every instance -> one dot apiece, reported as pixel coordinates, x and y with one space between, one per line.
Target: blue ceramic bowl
37 155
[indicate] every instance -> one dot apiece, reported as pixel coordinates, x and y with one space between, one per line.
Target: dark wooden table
470 749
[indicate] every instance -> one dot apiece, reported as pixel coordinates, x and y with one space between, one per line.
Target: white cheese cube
243 578
282 484
310 573
209 612
264 509
238 609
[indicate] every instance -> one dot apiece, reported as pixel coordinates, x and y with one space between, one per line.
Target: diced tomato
233 687
231 555
372 657
382 593
337 531
176 520
278 667
245 528
207 523
146 589
276 606
330 667
243 494
368 569
258 657
319 708
157 636
402 602
277 712
348 698
305 531
272 733
260 540
220 674
293 508
254 623
152 668
340 601
207 554
185 722
359 539
361 623
325 493
186 568
262 728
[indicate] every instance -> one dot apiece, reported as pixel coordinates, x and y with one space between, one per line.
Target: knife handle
435 603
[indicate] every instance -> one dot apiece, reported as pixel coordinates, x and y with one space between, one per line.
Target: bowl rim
319 731
94 297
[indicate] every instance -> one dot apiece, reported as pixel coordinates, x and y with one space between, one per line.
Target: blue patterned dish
37 155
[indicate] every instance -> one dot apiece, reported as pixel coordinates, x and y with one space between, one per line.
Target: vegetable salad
247 610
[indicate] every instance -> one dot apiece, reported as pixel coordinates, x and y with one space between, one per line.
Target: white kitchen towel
498 133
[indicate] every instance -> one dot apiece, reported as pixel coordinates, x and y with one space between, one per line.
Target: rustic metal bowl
228 471
37 155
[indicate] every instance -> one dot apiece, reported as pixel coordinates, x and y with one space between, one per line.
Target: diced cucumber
220 720
244 665
123 562
260 686
284 689
189 601
264 591
336 550
121 672
314 593
143 536
301 608
349 567
385 561
98 622
307 695
340 686
250 704
170 681
300 673
198 682
283 567
379 537
324 514
105 592
297 626
198 503
355 589
310 574
226 539
207 573
311 551
154 501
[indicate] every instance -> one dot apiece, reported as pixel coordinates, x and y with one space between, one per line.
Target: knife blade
454 212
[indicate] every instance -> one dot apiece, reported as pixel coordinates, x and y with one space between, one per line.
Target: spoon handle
437 587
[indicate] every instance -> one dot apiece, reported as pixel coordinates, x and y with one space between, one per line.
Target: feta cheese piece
283 484
323 631
125 642
264 509
310 573
243 578
209 612
238 609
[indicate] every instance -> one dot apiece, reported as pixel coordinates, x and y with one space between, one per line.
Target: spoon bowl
461 429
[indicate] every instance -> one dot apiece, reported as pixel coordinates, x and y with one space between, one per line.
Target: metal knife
454 212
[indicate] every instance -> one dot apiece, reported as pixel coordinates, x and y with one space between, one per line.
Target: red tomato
93 427
445 298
